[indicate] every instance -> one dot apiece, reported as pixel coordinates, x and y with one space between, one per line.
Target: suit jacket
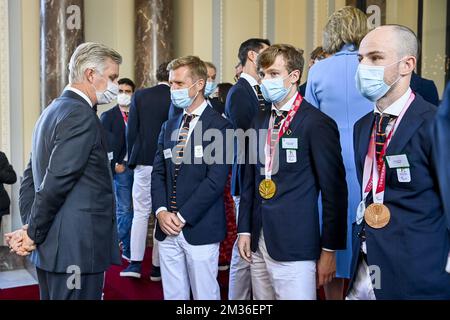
199 186
441 138
67 192
241 107
290 220
114 125
149 110
426 88
412 250
8 176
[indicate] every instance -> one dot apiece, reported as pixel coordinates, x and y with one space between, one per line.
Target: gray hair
90 55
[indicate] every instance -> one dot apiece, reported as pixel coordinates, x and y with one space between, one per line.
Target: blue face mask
210 88
274 90
370 81
181 99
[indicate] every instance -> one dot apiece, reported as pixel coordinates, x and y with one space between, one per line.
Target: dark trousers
65 286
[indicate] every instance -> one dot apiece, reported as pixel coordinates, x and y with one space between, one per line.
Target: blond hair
197 68
346 26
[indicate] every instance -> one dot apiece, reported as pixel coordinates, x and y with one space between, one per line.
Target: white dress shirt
252 81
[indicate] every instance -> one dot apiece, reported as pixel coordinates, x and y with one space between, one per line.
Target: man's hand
326 268
244 247
120 168
19 242
169 223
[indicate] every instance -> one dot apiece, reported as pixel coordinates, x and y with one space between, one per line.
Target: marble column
62 30
154 39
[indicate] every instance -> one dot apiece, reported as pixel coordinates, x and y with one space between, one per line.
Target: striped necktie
179 153
276 126
261 100
381 122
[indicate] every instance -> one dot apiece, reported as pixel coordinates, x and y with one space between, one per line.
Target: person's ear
295 76
252 55
89 74
409 65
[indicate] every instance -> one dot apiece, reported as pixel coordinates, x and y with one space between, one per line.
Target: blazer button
263 202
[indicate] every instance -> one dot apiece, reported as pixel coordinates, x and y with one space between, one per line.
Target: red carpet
116 287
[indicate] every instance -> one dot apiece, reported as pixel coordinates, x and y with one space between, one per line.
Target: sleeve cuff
328 250
160 210
181 218
244 234
448 265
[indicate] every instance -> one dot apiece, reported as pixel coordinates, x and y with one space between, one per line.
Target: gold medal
377 216
267 189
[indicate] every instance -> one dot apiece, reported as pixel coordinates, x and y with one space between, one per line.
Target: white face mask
109 95
124 99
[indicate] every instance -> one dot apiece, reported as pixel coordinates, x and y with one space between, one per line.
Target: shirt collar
81 94
252 81
199 111
163 83
396 108
287 106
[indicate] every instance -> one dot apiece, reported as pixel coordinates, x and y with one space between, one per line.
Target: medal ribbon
375 169
270 149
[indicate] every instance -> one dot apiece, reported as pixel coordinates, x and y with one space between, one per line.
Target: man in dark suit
426 88
400 239
149 110
187 188
242 104
279 230
441 138
66 197
115 122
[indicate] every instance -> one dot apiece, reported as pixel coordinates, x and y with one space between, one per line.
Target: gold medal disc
267 189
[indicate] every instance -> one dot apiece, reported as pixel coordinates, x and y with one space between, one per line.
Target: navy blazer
426 88
290 220
241 107
114 124
149 110
199 186
66 195
412 250
441 138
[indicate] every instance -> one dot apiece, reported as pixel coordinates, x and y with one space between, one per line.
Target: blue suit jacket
426 88
114 125
441 133
241 107
290 220
149 110
411 251
199 186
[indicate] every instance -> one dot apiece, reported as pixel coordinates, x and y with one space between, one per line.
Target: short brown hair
346 26
197 68
210 65
293 57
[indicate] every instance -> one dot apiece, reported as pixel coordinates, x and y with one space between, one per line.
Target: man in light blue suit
331 88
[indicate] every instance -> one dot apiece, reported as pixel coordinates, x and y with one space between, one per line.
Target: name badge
291 156
404 175
400 161
290 143
168 154
198 151
110 156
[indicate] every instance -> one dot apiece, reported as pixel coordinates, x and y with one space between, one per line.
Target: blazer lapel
250 90
172 130
364 137
407 128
